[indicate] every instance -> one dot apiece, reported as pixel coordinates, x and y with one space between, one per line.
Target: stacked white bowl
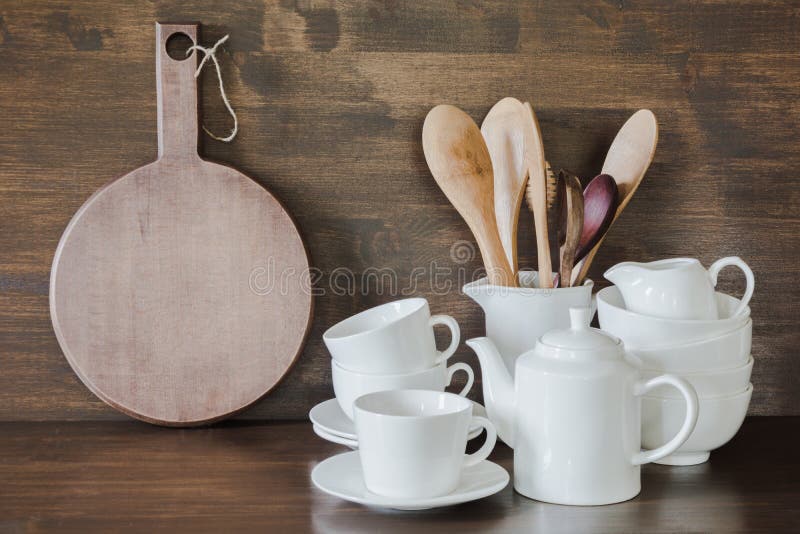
713 355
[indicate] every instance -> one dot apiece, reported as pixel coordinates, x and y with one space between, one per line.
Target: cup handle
455 335
690 396
461 366
491 438
736 261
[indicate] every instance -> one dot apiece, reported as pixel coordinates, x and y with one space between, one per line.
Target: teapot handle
689 394
720 264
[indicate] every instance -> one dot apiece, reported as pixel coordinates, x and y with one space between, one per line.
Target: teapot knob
579 318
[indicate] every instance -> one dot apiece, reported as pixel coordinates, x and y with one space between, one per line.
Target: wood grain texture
331 97
177 292
241 477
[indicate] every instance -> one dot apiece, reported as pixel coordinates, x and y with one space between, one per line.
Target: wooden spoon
537 194
627 161
502 130
571 227
460 163
599 207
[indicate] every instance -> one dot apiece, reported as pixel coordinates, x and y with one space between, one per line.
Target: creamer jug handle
735 261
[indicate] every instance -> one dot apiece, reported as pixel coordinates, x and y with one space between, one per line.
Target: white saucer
341 476
330 437
329 417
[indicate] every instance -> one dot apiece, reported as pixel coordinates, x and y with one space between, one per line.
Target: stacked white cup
672 320
392 347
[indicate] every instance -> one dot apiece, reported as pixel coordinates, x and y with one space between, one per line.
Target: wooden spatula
460 163
627 161
502 130
536 194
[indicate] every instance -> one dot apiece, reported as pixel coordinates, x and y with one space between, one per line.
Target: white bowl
719 420
350 385
707 384
638 330
723 352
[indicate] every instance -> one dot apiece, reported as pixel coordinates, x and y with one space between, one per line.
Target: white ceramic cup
411 442
727 351
643 331
350 385
676 288
396 337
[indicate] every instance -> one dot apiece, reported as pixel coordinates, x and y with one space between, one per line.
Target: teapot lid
580 337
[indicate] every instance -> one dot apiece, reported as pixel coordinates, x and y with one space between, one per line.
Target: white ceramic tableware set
582 408
410 435
672 320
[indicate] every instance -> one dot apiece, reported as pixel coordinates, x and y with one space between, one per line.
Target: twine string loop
212 53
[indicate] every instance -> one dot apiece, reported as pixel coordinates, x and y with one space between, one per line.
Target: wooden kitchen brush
552 186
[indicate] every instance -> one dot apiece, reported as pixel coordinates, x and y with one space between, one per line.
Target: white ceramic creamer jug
675 288
517 316
572 415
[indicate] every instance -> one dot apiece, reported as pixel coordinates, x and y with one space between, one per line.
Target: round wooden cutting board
180 293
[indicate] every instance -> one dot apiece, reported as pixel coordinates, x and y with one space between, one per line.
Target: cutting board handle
177 95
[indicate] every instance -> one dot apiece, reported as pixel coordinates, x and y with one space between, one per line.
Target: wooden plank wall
331 97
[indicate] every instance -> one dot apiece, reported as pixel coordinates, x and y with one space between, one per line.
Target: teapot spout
498 387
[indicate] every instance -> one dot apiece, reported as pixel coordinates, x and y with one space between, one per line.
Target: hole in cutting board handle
177 44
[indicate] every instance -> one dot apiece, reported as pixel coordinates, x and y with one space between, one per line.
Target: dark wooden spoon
571 224
599 206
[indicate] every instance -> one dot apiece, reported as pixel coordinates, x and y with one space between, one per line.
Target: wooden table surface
123 476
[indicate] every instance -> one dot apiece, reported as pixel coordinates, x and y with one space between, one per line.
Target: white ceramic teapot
675 288
572 414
